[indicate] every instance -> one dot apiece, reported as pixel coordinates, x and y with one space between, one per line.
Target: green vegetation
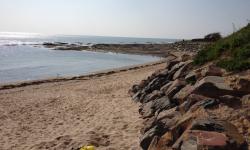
231 53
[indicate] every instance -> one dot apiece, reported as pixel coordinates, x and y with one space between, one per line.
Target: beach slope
69 114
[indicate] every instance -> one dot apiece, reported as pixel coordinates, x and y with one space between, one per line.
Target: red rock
200 140
206 138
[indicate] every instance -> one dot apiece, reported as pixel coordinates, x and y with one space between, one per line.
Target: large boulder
164 121
175 68
207 124
146 138
199 140
149 109
183 71
169 113
160 143
133 90
175 87
172 133
166 86
211 134
148 123
214 87
182 95
210 86
155 84
195 101
235 138
211 70
137 96
192 77
170 64
153 96
205 104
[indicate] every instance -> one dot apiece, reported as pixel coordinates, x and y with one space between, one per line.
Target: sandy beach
69 114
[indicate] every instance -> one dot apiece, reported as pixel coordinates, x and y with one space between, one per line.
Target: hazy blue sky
136 18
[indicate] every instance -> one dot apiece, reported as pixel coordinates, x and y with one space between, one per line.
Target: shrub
212 37
235 50
234 64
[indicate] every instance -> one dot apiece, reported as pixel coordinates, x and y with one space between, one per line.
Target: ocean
20 60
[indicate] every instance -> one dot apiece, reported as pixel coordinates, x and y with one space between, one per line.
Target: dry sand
68 114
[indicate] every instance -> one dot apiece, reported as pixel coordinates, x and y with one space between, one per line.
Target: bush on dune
231 53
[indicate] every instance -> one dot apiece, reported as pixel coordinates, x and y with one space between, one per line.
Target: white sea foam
18 35
16 42
18 38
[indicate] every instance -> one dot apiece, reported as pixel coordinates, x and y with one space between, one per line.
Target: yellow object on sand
88 148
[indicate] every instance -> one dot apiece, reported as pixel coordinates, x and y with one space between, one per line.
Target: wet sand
63 115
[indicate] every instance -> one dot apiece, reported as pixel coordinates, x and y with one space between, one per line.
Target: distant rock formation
161 50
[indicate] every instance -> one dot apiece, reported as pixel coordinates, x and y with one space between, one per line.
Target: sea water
19 62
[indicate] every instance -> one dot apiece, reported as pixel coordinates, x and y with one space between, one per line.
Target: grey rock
158 105
152 96
166 86
146 138
174 88
191 77
183 71
195 101
155 84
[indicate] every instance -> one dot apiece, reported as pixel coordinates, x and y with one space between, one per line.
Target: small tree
213 37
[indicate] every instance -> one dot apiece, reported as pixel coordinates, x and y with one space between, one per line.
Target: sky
182 19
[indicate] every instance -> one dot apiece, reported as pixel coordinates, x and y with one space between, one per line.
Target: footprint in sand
59 143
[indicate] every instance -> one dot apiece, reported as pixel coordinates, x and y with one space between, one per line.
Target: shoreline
84 77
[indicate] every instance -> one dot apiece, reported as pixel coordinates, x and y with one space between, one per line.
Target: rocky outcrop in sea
186 107
152 49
